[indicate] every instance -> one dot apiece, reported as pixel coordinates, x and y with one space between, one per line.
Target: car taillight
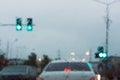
39 78
93 78
67 69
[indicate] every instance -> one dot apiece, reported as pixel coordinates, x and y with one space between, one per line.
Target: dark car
18 72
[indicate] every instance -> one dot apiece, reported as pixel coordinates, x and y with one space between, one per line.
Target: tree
31 59
45 61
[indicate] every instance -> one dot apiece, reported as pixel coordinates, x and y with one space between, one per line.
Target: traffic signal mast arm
3 25
7 24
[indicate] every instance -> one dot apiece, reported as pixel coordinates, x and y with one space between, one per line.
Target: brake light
93 78
67 69
39 78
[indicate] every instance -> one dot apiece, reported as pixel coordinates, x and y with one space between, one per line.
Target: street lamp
39 59
83 59
73 55
12 47
88 53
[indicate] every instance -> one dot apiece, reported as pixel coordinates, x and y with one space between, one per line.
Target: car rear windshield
74 66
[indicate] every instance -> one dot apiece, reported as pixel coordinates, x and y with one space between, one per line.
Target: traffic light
29 24
100 49
101 55
18 24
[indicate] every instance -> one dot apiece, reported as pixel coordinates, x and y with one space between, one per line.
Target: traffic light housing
29 24
96 55
101 55
100 49
18 24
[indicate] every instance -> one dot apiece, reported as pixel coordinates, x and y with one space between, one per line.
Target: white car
67 70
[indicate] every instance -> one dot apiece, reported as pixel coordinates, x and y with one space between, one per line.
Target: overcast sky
65 25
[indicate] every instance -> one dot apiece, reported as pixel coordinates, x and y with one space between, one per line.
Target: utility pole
107 18
88 53
59 52
90 59
0 43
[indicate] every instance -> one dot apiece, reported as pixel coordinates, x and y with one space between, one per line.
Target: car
67 70
18 72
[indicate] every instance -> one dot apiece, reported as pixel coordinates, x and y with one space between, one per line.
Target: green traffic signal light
29 24
29 28
102 55
18 24
18 27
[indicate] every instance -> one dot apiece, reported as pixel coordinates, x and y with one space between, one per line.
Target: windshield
74 66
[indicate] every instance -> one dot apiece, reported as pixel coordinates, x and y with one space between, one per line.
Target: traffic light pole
107 28
107 22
